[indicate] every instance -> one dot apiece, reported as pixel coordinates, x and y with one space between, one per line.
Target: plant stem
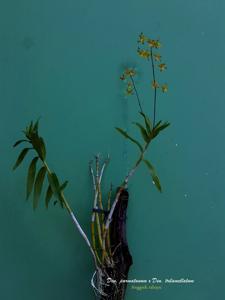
132 171
97 178
94 241
136 93
108 233
155 88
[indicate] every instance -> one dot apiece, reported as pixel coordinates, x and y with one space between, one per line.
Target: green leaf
38 186
129 137
55 186
153 174
157 129
143 132
156 181
54 183
19 142
163 126
31 176
63 186
148 123
36 125
42 148
21 157
48 196
39 146
30 128
157 124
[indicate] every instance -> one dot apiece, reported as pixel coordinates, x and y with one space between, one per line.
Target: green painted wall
61 60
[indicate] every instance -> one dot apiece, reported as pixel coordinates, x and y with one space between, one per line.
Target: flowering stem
136 93
155 88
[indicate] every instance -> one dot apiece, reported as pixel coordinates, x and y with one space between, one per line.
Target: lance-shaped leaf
30 128
42 148
38 186
39 146
21 157
54 183
159 128
36 126
155 178
55 186
19 142
48 196
143 132
148 124
31 176
157 124
129 137
63 186
163 126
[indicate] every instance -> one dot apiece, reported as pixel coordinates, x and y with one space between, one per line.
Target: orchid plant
108 245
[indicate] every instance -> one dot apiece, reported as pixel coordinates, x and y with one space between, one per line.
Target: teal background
61 60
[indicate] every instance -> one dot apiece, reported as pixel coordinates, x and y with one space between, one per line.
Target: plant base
114 287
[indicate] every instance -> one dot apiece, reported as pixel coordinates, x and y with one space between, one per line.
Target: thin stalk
99 229
132 171
109 219
136 93
94 242
93 215
108 232
98 199
155 88
98 183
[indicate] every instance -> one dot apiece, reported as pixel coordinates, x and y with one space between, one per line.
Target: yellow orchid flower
154 43
157 57
151 42
164 88
130 72
127 73
143 53
157 44
129 89
162 67
142 39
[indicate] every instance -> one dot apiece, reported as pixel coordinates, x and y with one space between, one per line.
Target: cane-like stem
98 205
